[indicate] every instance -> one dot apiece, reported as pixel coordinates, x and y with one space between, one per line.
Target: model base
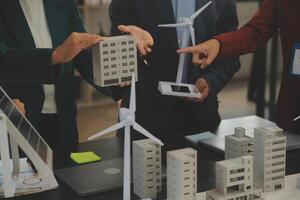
28 182
178 89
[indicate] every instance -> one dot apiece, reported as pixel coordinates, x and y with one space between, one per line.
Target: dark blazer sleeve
84 62
221 72
30 65
120 8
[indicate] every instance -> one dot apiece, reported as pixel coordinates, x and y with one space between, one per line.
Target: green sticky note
85 157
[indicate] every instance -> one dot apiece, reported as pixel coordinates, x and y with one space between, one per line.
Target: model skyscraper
238 144
146 168
269 158
182 174
234 180
114 61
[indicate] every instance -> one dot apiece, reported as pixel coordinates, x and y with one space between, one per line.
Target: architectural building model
238 144
179 88
26 175
269 158
146 168
234 180
114 61
182 174
127 120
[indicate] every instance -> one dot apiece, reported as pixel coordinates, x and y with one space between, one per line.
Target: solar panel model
27 175
114 61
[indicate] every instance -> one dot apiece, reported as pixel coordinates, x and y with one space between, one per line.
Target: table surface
227 127
113 148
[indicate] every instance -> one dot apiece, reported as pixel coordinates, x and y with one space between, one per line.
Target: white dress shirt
35 15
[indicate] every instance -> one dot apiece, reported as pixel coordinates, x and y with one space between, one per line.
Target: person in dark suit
170 118
42 42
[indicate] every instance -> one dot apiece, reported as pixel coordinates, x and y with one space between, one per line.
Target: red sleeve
255 34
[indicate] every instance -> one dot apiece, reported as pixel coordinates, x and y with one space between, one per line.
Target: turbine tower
187 23
127 118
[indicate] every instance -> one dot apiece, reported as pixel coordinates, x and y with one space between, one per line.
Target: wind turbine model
179 88
127 117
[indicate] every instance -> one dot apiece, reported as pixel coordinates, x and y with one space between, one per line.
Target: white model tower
146 168
234 180
182 174
269 158
115 60
238 144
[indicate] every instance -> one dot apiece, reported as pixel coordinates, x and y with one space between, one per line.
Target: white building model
182 174
234 180
146 168
114 61
238 144
270 158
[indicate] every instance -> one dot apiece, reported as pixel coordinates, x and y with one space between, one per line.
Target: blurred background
253 91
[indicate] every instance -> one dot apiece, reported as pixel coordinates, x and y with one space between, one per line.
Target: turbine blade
297 118
143 131
132 106
192 30
200 11
108 130
173 25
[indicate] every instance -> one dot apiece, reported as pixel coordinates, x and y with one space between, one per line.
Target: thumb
123 28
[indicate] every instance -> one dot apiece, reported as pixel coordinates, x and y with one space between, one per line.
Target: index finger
187 50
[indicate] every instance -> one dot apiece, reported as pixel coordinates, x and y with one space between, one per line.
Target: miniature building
234 180
238 144
114 61
182 174
269 158
146 168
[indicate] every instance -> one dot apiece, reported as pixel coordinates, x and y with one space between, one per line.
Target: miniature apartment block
114 61
269 158
238 144
234 180
182 174
146 168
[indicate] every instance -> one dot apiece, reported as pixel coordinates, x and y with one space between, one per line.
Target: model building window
123 43
124 50
131 56
113 51
112 44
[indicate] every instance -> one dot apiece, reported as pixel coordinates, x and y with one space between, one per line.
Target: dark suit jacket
272 15
170 115
20 61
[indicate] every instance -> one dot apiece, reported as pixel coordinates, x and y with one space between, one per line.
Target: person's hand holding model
77 42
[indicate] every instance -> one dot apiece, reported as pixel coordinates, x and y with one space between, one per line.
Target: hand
143 38
19 105
203 54
202 87
72 46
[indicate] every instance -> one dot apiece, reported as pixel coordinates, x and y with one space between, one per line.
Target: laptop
93 178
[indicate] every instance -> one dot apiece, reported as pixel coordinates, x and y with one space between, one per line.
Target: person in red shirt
273 15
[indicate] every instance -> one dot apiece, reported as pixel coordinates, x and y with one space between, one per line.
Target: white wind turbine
187 23
127 118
